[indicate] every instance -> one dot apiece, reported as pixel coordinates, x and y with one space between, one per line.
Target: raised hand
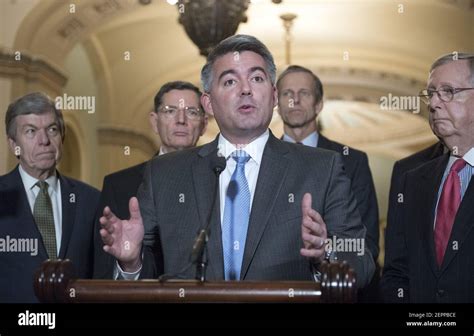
123 238
313 231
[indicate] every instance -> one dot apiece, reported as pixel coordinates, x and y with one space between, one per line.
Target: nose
246 89
435 101
43 137
296 98
181 116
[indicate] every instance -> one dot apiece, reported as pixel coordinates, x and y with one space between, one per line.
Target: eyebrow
35 127
233 72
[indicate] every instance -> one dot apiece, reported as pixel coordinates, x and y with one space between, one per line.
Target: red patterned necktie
447 208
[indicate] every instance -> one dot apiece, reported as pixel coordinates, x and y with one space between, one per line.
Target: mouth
246 108
295 111
180 133
46 156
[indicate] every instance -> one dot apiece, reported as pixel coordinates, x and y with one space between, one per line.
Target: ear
12 145
318 107
205 122
275 96
206 103
153 118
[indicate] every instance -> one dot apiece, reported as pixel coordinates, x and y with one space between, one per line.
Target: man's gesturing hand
123 238
313 231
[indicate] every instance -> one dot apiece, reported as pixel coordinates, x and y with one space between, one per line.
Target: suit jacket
402 166
117 190
357 169
79 202
176 202
411 273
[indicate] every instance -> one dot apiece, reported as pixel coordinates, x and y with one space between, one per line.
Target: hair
33 103
176 85
448 58
318 86
232 44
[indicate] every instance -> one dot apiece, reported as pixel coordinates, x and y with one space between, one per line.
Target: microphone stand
199 253
201 261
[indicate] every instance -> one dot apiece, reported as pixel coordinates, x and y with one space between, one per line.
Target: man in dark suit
42 213
179 120
430 242
277 203
300 100
404 165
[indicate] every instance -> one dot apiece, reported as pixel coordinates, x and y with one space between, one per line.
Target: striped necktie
236 217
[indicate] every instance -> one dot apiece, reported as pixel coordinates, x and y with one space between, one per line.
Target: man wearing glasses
179 120
429 253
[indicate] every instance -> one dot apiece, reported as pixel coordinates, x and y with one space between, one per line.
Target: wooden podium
54 282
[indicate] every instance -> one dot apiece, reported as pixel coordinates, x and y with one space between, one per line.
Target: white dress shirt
311 140
54 191
252 167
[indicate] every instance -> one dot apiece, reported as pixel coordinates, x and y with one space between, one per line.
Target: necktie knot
458 165
240 156
43 185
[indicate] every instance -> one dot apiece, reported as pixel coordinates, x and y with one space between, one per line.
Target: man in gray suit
280 207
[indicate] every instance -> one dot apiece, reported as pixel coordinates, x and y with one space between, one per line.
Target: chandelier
207 22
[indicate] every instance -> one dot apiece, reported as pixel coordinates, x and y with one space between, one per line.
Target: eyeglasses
445 93
191 112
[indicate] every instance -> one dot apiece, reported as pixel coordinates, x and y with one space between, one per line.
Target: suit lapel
21 209
430 184
204 182
324 142
463 223
272 173
68 205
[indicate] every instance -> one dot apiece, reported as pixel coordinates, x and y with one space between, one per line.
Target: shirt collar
29 181
311 140
254 149
469 157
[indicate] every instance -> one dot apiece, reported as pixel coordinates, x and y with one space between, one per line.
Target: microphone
217 164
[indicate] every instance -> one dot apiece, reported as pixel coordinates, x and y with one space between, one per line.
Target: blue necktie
236 217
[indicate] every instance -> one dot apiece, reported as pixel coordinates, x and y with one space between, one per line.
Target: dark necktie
448 205
43 214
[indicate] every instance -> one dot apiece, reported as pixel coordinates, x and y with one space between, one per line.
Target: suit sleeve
395 189
364 191
343 221
103 262
395 281
151 241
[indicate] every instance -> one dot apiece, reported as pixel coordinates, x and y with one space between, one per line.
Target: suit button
440 292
